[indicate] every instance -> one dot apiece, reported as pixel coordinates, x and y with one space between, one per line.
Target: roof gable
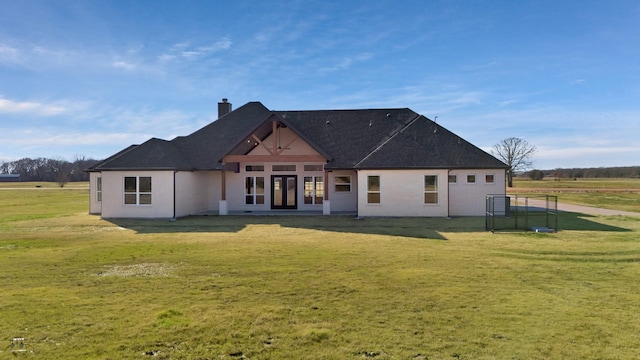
347 136
425 144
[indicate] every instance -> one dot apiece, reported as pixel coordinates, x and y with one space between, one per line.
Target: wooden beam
273 158
270 151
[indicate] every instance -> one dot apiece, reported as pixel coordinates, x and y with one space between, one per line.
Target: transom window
137 190
489 179
343 183
373 189
313 189
310 167
471 179
291 168
453 179
251 168
254 190
431 189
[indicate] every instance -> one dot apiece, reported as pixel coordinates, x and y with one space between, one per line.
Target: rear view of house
374 162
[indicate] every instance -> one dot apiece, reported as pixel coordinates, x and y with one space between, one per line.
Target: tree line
54 170
580 173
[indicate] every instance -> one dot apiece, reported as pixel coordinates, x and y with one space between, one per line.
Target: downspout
448 195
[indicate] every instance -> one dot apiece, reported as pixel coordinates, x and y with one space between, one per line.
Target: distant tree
535 175
516 153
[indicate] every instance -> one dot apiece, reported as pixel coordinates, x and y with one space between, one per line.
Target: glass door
284 191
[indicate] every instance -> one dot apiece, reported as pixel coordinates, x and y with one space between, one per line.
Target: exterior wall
469 199
95 206
235 183
161 195
342 201
197 192
402 193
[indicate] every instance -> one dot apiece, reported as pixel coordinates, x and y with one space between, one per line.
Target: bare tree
516 153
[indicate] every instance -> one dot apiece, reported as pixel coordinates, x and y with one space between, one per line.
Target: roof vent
224 108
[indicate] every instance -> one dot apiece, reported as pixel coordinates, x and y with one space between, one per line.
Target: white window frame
431 192
486 179
374 192
139 195
337 185
254 195
99 188
315 192
475 179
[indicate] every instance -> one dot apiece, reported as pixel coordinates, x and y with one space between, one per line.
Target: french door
284 192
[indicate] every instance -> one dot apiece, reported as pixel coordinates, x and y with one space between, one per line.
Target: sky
89 78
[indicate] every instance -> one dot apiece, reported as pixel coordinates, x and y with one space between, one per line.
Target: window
137 190
488 179
373 189
453 179
471 179
254 190
251 168
313 168
343 183
283 168
99 188
431 189
313 189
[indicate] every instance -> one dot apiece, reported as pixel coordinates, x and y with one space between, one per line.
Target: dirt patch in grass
144 270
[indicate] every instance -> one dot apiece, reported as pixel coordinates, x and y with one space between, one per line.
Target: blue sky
88 78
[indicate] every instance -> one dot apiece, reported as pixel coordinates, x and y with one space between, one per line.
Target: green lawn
617 194
75 286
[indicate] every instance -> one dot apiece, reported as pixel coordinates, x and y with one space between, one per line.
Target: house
374 162
9 177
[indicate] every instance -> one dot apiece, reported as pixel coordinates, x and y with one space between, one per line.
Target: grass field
78 287
617 194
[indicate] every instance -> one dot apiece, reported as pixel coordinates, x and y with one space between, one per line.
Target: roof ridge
388 139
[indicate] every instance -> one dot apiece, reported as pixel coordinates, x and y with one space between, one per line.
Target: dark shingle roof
154 154
361 139
425 144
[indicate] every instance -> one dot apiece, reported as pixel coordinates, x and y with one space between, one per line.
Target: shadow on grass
424 228
565 221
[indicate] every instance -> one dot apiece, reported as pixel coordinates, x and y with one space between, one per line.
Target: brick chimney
224 108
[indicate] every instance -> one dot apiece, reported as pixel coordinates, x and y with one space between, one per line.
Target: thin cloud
30 107
8 54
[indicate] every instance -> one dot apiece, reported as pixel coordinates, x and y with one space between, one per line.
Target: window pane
248 199
248 186
430 183
313 168
283 167
145 184
488 179
373 198
130 184
373 183
343 180
320 186
471 178
308 190
453 179
130 199
250 168
145 199
431 198
260 185
343 188
259 199
99 183
99 195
